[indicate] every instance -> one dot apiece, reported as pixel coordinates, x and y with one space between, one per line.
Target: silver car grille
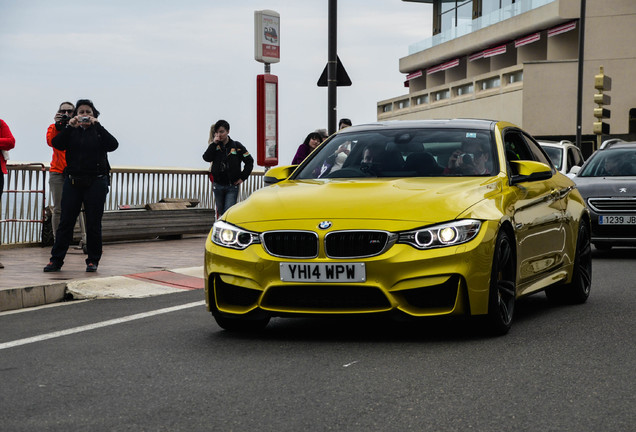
613 205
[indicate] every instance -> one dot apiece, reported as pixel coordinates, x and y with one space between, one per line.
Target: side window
535 149
516 146
522 147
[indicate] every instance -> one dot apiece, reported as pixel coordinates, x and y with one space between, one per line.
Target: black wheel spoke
506 288
586 278
504 254
503 310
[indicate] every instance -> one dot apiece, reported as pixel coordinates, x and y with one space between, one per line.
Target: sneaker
1 265
90 268
52 267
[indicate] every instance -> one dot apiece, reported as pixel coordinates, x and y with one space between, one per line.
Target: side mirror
278 174
574 170
529 171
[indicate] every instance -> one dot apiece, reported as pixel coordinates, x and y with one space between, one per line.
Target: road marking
97 325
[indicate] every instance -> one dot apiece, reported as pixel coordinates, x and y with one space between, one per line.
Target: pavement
126 270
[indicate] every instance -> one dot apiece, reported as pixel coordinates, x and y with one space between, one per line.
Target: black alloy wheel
502 296
578 290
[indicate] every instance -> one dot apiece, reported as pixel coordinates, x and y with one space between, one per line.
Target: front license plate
323 272
617 220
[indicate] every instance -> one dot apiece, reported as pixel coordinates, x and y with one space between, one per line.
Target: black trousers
93 196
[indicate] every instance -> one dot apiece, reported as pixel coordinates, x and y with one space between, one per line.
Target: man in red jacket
58 163
7 142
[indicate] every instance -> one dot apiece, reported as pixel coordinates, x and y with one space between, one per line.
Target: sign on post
267 36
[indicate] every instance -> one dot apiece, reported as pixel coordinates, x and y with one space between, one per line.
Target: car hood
606 186
425 200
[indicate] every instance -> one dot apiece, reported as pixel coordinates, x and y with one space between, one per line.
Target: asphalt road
162 364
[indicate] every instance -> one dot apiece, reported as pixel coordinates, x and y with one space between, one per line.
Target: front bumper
443 281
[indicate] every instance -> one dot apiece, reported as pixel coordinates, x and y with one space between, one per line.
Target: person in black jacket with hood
87 179
226 156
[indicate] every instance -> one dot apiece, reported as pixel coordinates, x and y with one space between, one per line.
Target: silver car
607 182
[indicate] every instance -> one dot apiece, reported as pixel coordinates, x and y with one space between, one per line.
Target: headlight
447 234
224 234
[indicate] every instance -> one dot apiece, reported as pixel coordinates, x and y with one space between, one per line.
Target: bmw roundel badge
324 225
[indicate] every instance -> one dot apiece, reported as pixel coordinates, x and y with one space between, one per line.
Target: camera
84 119
64 118
466 158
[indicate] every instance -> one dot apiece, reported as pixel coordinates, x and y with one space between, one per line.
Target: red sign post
267 120
267 50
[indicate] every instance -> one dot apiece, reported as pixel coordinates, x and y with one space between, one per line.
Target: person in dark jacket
226 156
87 179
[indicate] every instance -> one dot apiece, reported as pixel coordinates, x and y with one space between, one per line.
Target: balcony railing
470 26
26 195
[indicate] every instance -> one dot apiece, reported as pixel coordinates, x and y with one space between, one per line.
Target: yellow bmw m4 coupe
414 218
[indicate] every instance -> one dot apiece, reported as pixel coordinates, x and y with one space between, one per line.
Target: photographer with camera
226 157
470 159
86 182
58 163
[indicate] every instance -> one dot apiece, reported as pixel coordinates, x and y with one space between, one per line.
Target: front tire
502 293
578 290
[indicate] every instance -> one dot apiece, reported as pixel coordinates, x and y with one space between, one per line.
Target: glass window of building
490 6
454 13
464 13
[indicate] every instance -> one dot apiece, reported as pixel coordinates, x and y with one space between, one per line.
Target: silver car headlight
228 235
441 235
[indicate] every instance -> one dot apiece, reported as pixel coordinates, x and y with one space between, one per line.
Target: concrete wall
549 98
544 102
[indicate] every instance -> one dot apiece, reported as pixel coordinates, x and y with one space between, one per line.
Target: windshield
556 156
610 163
403 153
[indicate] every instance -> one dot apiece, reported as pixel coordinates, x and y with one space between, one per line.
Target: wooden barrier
146 223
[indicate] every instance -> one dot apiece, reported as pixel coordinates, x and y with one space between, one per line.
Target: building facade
517 60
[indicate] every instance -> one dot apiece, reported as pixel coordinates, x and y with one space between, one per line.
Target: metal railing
24 201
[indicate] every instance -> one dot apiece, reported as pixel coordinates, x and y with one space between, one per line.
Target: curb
128 286
25 297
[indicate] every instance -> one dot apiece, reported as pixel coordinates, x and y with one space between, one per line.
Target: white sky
161 72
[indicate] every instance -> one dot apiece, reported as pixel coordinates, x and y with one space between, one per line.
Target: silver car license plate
322 272
617 220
